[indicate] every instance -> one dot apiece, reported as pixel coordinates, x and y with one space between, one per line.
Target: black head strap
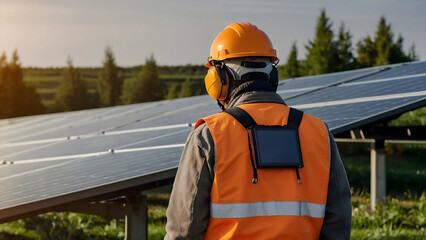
250 64
254 76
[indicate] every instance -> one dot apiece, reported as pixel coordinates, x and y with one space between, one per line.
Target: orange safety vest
276 207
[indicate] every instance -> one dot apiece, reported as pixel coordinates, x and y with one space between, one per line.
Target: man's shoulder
310 117
211 118
312 122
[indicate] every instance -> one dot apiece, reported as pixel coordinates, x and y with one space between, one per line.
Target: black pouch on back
272 146
275 146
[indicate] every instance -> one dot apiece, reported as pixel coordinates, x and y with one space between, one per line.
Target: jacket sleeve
338 213
189 205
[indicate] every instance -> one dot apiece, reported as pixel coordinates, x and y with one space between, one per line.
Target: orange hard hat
241 40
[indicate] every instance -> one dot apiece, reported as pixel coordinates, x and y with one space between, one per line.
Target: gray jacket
189 205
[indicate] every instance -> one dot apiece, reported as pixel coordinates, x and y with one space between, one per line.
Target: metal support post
136 217
378 173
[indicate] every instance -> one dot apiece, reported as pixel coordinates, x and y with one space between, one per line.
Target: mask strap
220 105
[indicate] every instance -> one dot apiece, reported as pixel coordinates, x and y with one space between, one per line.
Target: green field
47 80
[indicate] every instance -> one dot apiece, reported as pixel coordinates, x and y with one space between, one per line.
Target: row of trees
328 53
16 99
112 89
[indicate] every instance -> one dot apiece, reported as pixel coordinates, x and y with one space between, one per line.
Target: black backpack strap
242 116
247 121
294 118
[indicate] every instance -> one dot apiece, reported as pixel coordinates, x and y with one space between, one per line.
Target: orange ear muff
217 83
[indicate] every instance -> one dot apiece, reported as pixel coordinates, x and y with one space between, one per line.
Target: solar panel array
48 156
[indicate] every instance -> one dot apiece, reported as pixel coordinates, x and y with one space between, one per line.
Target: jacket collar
255 97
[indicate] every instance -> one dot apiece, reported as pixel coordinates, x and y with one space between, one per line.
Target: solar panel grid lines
362 99
376 94
11 213
97 125
53 140
32 169
382 80
312 82
176 157
176 137
26 128
402 70
334 83
148 129
95 154
90 172
83 146
320 80
184 115
342 118
12 171
367 89
304 84
68 122
86 174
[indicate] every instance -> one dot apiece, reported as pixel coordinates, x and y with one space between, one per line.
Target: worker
222 190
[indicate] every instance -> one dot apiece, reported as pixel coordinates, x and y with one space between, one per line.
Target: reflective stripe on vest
273 208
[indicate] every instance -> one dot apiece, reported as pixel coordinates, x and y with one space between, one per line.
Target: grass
403 218
405 168
157 206
65 225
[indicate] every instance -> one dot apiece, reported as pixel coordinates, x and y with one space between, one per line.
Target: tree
412 53
110 81
345 59
397 53
291 68
72 93
187 89
16 99
127 91
321 51
383 42
146 87
173 91
383 50
367 53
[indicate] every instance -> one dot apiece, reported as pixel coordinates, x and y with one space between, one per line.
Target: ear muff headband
273 77
222 74
217 82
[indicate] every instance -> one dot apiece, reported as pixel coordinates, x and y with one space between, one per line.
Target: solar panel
62 157
377 94
82 174
98 143
297 86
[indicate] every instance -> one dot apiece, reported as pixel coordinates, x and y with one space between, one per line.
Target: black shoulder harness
255 133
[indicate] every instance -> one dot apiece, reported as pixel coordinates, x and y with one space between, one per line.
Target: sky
180 32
